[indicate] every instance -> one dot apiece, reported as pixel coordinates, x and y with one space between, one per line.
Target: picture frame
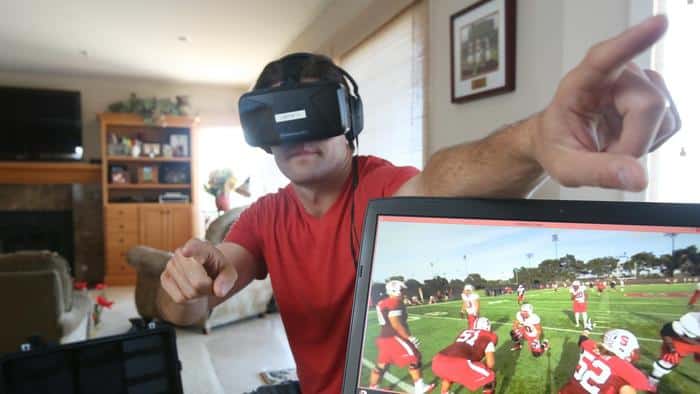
148 174
482 50
151 150
180 144
119 174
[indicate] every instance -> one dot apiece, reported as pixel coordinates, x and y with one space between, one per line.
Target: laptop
549 277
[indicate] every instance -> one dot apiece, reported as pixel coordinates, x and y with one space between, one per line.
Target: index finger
606 59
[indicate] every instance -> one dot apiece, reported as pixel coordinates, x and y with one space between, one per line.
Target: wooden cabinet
133 215
165 227
161 226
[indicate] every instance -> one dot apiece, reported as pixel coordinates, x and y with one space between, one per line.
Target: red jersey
387 308
596 373
311 267
472 345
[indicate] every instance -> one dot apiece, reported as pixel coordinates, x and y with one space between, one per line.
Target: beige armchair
149 263
37 299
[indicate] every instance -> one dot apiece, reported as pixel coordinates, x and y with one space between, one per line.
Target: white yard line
545 327
405 387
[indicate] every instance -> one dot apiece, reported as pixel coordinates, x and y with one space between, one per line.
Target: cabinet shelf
148 186
130 159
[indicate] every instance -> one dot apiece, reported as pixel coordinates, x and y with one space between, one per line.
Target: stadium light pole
555 239
673 244
529 258
466 266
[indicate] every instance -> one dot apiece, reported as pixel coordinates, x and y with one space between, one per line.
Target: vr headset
297 112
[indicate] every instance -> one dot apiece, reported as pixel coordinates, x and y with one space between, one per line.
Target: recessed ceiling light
186 39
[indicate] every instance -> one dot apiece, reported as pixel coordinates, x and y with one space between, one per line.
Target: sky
408 249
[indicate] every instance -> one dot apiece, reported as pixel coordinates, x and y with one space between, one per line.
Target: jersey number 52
591 372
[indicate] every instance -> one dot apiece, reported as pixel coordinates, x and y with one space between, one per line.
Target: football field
642 309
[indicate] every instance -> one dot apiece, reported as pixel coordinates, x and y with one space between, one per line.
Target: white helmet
394 287
482 323
576 283
697 287
688 325
621 343
468 287
527 308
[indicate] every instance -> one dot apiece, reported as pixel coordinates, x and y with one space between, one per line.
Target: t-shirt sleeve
385 180
246 232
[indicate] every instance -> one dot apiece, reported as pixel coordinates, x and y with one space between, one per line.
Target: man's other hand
198 270
606 113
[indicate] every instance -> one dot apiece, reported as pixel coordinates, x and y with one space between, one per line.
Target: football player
600 285
470 305
521 294
580 301
395 345
696 295
680 338
469 361
607 367
527 326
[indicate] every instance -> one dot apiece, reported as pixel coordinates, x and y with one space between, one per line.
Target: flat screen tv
40 124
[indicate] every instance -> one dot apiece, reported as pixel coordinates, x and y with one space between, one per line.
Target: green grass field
518 372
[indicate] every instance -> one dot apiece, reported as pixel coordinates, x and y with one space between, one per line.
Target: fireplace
62 218
38 230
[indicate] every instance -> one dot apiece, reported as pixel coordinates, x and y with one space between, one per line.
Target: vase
222 202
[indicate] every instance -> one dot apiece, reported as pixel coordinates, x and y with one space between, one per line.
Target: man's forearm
500 165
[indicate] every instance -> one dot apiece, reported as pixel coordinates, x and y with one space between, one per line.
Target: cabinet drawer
122 214
117 239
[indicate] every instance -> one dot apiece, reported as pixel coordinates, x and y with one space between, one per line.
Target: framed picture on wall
482 50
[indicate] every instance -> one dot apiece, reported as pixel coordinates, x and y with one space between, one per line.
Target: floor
227 361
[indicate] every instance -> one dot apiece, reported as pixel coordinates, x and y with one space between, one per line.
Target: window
390 70
225 147
676 57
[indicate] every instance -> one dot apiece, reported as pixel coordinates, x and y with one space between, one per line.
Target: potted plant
220 184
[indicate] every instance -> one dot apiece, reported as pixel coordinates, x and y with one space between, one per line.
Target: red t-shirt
311 267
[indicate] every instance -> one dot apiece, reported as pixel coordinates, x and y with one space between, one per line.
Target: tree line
685 261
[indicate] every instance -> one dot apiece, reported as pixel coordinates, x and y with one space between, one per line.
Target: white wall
216 105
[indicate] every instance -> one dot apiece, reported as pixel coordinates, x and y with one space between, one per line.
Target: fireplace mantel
30 173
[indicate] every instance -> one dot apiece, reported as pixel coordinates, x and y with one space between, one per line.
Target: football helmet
688 325
394 287
527 308
621 343
482 323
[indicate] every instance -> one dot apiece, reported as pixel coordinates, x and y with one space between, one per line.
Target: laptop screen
471 305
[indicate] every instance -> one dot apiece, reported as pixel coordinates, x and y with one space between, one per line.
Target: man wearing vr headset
307 112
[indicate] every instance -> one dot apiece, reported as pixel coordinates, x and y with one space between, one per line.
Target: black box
140 362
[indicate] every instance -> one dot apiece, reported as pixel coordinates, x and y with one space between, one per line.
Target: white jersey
521 291
579 294
470 303
529 323
697 287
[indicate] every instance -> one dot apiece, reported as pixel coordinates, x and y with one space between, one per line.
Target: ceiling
228 42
